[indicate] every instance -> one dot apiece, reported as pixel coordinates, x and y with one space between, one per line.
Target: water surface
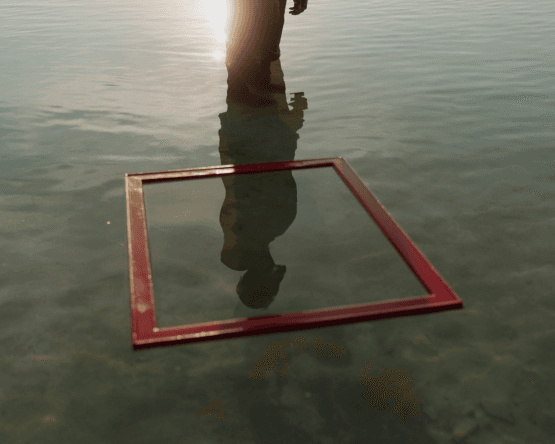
444 109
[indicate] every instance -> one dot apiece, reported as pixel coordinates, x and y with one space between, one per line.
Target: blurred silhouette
253 45
258 127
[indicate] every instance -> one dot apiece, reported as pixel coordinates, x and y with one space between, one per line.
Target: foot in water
241 94
253 85
264 81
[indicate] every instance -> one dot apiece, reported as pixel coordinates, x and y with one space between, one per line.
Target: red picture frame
145 333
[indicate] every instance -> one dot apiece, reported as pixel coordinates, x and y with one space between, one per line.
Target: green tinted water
444 110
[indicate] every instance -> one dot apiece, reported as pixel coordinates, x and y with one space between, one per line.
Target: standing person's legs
254 43
256 31
269 52
278 12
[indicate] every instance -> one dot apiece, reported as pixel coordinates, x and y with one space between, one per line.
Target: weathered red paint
145 334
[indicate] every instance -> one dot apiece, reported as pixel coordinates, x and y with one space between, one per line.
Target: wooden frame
145 334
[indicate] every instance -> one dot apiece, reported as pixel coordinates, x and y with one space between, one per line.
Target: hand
300 6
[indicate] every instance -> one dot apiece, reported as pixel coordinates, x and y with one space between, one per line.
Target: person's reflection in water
258 207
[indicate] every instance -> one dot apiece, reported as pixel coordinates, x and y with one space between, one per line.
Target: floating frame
145 333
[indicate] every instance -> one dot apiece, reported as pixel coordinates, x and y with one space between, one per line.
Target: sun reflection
218 55
216 11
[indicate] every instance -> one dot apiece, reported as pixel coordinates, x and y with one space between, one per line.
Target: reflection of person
258 207
253 45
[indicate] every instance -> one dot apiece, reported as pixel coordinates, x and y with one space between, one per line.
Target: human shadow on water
258 127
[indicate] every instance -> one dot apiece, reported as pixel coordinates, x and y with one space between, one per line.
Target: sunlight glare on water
218 55
215 11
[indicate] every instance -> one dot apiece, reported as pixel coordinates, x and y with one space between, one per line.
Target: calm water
446 112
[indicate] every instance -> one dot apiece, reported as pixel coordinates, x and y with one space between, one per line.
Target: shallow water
445 110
